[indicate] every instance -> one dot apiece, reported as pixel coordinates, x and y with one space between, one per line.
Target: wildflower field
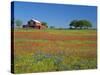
54 50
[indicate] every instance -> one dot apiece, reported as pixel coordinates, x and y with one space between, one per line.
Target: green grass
55 31
59 42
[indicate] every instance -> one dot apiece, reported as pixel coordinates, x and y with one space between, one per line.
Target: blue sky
58 15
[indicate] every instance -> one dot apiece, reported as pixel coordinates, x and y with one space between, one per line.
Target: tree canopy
18 23
82 24
45 24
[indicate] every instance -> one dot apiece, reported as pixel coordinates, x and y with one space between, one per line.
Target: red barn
34 24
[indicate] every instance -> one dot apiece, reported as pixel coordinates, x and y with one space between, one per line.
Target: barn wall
34 25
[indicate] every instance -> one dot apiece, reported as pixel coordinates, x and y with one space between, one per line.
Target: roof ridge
36 20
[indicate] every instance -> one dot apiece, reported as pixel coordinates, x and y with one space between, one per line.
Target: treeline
77 24
74 24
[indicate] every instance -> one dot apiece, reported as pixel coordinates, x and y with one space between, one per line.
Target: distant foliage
80 24
18 23
52 27
45 24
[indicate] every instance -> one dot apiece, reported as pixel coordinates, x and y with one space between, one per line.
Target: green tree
87 24
45 24
80 24
73 24
18 23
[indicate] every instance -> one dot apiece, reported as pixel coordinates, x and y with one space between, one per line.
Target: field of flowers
54 50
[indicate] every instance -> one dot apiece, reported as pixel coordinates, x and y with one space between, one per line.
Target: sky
57 15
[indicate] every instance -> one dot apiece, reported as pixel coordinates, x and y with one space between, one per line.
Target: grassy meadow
54 50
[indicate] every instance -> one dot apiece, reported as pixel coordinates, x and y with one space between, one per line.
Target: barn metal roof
36 20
